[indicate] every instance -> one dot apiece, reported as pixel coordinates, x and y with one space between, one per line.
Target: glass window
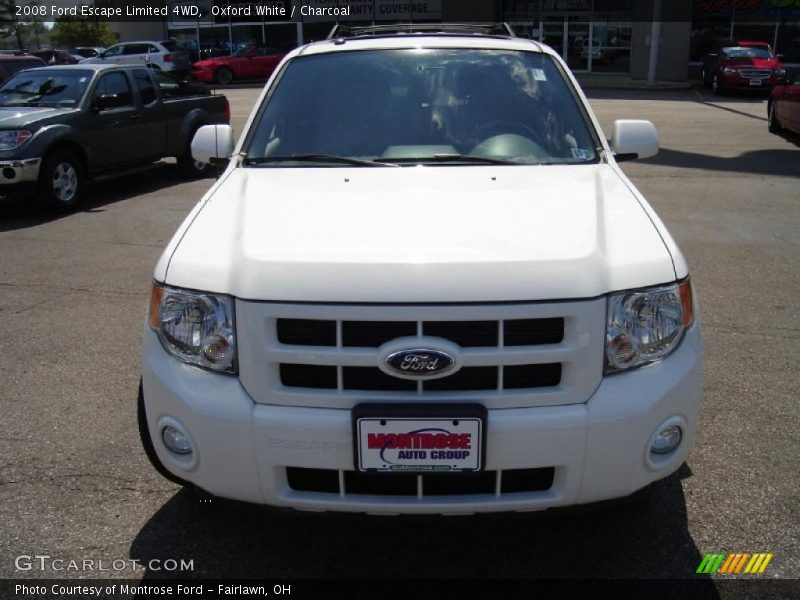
136 48
45 87
747 52
114 50
115 84
401 105
147 90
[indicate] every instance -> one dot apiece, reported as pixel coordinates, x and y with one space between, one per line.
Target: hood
758 63
20 116
420 234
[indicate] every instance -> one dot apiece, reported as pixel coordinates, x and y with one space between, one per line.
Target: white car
161 56
422 285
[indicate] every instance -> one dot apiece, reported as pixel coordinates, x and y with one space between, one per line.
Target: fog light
176 440
666 440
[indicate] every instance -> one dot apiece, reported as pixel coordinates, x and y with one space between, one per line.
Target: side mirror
213 144
106 102
634 139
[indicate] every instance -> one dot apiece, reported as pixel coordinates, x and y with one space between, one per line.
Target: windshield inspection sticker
581 153
538 75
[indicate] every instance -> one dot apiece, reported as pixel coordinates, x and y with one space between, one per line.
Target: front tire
61 181
716 86
147 442
774 124
223 76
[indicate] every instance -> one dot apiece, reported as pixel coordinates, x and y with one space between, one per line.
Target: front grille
755 73
511 355
344 334
467 334
466 379
354 482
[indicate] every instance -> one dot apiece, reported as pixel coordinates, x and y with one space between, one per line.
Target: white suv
163 56
422 285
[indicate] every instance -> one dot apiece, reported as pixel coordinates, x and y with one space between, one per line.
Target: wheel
61 180
188 166
716 85
147 442
223 75
774 124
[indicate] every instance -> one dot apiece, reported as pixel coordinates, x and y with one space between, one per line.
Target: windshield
45 88
442 106
747 52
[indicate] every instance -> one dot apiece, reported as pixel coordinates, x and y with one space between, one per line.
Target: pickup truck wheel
61 180
223 76
147 442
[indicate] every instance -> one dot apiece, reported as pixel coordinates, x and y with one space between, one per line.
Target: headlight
195 327
728 70
643 326
11 140
779 72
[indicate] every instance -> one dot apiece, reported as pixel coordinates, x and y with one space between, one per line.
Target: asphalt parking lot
75 484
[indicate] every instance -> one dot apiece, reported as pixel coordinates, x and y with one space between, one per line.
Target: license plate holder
755 82
433 438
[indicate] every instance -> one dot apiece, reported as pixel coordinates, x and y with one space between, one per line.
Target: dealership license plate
423 443
755 82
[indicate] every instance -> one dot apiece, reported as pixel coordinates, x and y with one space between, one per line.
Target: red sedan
783 107
249 63
742 64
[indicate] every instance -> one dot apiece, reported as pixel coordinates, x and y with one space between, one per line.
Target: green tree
9 26
84 32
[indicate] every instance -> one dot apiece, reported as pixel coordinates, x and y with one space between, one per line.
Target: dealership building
593 36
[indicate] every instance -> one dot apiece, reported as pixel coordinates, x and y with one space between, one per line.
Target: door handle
135 116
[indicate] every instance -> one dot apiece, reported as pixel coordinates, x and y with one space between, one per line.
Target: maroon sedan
743 65
248 63
783 107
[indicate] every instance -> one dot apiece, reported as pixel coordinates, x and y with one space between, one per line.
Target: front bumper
14 172
599 449
734 80
204 76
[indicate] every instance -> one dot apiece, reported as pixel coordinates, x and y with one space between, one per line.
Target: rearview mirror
634 139
213 144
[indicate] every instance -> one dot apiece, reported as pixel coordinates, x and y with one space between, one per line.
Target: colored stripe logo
736 563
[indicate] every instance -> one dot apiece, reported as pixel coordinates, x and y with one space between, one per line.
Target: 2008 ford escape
422 285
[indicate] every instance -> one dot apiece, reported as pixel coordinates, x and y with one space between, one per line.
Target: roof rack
341 31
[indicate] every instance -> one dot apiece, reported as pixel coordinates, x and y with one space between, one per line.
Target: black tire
774 124
147 442
188 166
223 76
716 86
61 181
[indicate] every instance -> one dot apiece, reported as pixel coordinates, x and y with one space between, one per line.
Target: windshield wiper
317 158
465 158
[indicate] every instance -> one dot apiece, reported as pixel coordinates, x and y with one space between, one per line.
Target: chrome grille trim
755 73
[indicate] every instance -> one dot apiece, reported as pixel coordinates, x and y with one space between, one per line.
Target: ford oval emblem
420 363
